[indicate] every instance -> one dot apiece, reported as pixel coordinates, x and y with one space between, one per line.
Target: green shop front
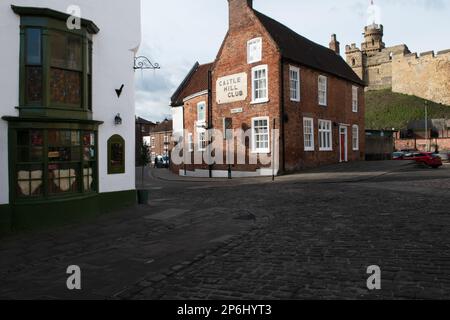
53 141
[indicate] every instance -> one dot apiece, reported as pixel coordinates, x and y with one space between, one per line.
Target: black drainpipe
282 117
210 117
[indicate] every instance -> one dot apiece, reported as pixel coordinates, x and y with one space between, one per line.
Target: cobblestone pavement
292 239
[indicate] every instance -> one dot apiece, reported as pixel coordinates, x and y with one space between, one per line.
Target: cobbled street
304 236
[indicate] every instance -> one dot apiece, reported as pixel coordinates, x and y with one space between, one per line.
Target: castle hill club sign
231 88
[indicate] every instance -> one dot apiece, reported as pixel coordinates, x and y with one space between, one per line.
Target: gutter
282 116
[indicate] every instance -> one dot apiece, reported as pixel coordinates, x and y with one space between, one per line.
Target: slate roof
305 52
293 47
196 81
165 126
140 120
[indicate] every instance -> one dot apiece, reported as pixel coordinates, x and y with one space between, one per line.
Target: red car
427 158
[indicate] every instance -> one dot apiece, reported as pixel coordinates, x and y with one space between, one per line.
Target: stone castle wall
427 76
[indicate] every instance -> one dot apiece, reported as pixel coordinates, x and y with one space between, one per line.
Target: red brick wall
420 144
339 110
159 146
190 120
232 59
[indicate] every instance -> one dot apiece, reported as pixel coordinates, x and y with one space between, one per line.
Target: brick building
265 77
143 128
160 139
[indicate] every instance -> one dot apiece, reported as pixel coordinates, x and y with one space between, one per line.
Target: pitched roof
165 126
303 51
140 120
196 81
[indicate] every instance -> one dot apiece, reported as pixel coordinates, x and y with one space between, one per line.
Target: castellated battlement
426 75
424 56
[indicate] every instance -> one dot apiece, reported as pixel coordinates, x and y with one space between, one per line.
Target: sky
178 33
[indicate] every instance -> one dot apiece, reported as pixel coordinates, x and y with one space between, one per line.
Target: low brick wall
421 144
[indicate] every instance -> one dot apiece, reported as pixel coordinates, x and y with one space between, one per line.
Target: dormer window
254 50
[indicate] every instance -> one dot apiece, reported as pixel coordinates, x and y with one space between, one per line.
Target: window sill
310 150
260 151
325 150
323 105
259 102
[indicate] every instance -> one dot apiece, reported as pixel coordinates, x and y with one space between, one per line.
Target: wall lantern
118 120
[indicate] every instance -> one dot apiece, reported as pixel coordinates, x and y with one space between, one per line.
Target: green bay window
55 65
52 160
53 142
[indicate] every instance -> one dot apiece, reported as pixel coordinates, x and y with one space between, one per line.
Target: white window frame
322 85
190 142
294 88
199 120
254 148
153 142
254 43
266 98
325 133
305 134
355 97
202 144
355 137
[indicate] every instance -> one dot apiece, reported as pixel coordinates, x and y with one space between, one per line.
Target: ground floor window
260 135
325 135
202 140
308 132
51 162
355 138
190 142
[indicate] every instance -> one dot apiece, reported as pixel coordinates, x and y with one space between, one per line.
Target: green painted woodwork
5 219
116 155
48 21
45 12
45 214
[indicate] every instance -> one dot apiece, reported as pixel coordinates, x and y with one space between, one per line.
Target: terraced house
66 136
267 76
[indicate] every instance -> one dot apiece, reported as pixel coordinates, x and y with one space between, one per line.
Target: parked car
162 162
398 155
445 156
428 159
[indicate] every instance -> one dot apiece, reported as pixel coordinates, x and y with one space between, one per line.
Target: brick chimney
335 45
239 13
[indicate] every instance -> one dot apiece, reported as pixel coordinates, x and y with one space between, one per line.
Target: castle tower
355 59
373 39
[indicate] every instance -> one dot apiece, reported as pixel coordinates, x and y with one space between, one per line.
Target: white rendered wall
114 49
177 117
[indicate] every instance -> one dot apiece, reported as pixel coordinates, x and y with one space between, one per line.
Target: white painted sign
231 88
237 110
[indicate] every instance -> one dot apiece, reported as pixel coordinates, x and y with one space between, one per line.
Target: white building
62 152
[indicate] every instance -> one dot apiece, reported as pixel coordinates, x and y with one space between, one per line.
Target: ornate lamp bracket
142 63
